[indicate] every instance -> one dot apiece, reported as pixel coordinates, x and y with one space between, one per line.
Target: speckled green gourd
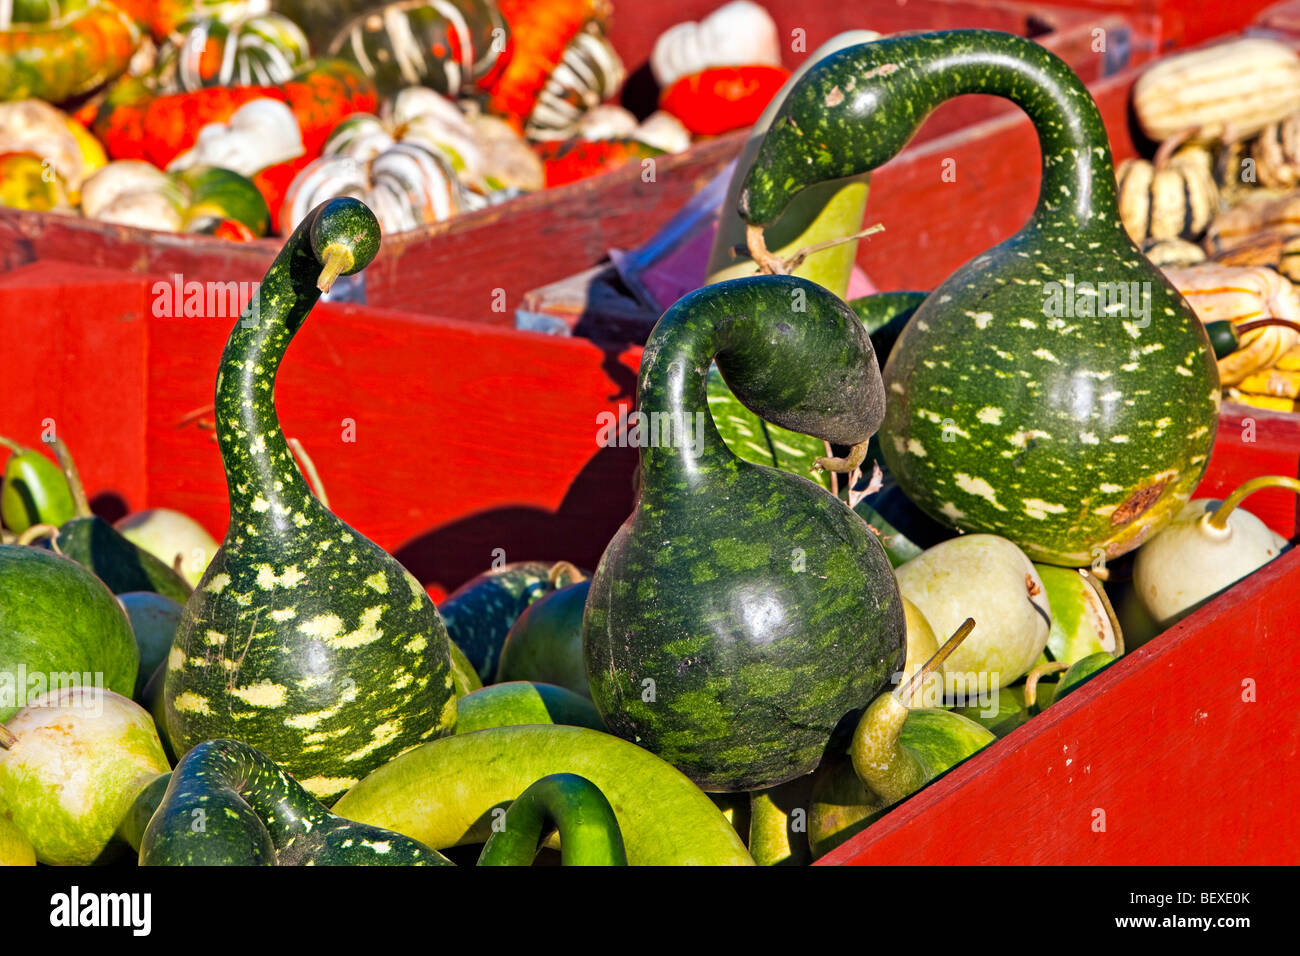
480 613
304 639
564 802
1028 396
226 804
741 611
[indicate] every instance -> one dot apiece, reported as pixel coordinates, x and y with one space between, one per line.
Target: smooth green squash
1056 390
741 611
445 793
304 639
567 804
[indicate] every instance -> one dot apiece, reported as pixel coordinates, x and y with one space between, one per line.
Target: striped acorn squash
1056 390
304 639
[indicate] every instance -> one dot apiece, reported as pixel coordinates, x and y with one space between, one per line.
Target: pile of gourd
760 665
1216 207
421 108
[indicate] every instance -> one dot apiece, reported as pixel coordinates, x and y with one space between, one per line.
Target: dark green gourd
226 804
741 611
564 802
1055 390
303 639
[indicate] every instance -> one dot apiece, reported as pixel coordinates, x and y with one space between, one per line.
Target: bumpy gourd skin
228 805
1017 405
741 611
303 639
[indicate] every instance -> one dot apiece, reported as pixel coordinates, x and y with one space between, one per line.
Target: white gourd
740 33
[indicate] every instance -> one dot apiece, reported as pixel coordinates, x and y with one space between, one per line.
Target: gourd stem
1250 326
1219 519
7 739
565 569
846 465
38 531
12 445
1035 675
908 690
73 477
337 260
772 264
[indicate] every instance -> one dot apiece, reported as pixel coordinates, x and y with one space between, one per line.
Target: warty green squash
1055 390
303 639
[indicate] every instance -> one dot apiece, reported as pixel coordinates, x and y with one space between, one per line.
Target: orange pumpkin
720 99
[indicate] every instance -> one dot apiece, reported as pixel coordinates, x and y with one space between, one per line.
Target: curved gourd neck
857 109
1077 188
678 437
265 484
793 354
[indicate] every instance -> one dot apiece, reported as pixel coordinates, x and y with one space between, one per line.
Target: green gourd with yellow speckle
1055 390
304 639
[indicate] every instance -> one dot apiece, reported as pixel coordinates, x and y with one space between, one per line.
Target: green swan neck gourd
569 804
254 814
1055 390
741 611
303 638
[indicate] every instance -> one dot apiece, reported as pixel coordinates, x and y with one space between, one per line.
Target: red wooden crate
471 438
444 269
1173 24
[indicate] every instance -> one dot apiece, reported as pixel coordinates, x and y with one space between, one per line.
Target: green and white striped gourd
304 639
589 72
259 50
1056 390
448 45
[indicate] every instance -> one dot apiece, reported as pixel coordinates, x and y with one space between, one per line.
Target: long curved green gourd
228 805
741 611
444 793
1055 390
569 804
824 213
303 639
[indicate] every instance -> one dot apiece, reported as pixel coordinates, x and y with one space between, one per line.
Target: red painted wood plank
1161 748
74 360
